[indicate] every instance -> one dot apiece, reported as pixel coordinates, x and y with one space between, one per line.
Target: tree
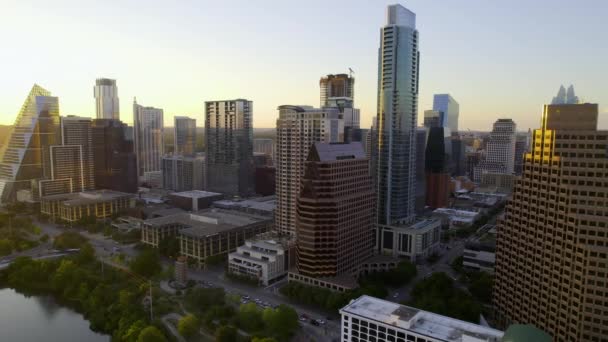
86 254
6 247
68 240
169 247
250 318
282 322
188 326
147 263
263 339
226 333
199 299
151 334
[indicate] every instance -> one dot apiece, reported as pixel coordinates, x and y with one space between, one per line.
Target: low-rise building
206 233
412 241
263 257
376 320
264 206
72 207
457 218
479 257
194 200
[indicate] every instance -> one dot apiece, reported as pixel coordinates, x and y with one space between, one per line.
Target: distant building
369 319
457 218
339 85
183 173
432 118
521 148
437 161
500 150
194 200
184 135
35 129
265 146
458 156
263 257
341 212
207 233
262 206
148 131
499 182
265 180
114 161
72 207
298 128
106 99
413 241
229 146
479 257
421 137
449 111
65 166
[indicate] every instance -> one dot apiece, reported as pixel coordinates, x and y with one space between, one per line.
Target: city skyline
192 75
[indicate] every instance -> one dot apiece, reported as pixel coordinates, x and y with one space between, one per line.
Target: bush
69 240
147 263
188 326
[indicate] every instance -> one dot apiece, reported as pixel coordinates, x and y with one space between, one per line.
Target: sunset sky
496 58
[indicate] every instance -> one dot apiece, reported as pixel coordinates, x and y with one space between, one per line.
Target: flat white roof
419 321
196 194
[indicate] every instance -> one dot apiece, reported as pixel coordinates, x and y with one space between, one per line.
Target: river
41 319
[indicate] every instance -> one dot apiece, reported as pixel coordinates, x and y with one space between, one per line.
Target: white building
106 99
413 241
264 259
298 127
500 150
148 134
376 320
479 257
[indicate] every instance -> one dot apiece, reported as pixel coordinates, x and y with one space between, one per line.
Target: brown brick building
335 211
552 244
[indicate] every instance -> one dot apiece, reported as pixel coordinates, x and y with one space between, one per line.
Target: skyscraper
552 244
183 173
184 135
106 99
449 111
436 168
114 160
76 131
342 213
64 171
564 97
148 134
229 146
35 129
339 85
397 116
298 128
500 150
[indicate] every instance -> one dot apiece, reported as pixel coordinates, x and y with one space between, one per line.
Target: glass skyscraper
398 64
35 129
448 109
184 138
106 99
148 132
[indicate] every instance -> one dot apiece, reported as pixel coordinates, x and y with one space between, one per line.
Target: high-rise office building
421 137
298 128
64 171
76 131
264 146
552 244
114 160
106 99
397 116
342 213
449 111
432 118
183 173
500 150
35 129
339 85
521 147
229 146
565 97
184 135
148 134
436 168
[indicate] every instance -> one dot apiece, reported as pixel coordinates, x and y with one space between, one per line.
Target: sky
498 59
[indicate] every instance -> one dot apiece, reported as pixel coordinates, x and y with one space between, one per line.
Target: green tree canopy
281 322
226 333
147 263
249 318
68 240
188 326
151 334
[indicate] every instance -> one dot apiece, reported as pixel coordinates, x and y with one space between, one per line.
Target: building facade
229 146
500 150
552 243
262 258
397 116
106 99
72 207
369 319
339 85
183 173
298 128
184 135
437 162
77 131
148 133
35 129
413 241
65 166
335 219
448 110
114 161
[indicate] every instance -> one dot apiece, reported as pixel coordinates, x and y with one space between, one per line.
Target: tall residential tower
398 59
184 135
148 134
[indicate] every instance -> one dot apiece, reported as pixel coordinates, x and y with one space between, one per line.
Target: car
303 319
396 295
320 321
246 297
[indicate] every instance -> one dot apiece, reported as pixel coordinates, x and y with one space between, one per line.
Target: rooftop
87 197
267 204
419 321
341 151
208 222
196 194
